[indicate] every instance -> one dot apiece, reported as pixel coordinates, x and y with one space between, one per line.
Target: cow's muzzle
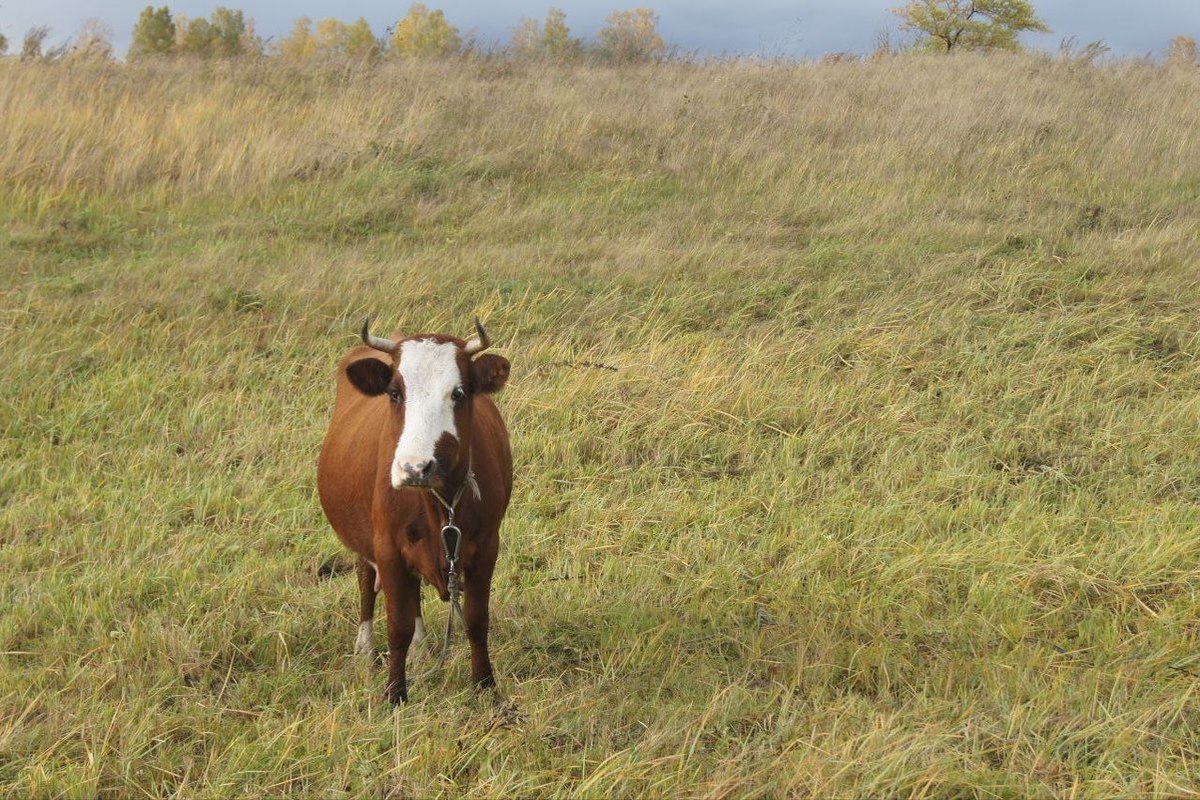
417 472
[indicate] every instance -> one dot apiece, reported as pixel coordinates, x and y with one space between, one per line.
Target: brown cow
414 430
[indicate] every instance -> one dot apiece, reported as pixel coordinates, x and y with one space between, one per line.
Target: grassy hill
855 410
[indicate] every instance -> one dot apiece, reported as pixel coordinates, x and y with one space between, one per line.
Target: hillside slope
855 410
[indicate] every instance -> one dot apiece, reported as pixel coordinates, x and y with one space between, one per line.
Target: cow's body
393 527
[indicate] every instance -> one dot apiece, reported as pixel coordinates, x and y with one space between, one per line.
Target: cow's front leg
478 586
402 590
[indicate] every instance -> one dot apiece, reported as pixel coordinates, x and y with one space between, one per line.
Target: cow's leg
364 644
478 586
401 590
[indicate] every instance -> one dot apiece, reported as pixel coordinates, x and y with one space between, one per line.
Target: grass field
856 414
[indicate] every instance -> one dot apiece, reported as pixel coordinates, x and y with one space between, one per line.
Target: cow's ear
369 375
489 373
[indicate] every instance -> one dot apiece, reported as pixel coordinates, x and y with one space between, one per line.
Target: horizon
759 28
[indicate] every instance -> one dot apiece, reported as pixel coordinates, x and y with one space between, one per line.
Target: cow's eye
458 395
396 395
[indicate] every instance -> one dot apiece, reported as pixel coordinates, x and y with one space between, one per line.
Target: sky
767 28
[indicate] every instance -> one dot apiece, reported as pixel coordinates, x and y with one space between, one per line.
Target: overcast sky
804 28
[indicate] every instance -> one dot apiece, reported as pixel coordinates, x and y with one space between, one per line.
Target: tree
232 34
153 35
552 40
93 42
424 34
947 25
1182 51
360 43
557 41
193 37
225 34
3 44
527 36
333 38
31 46
300 44
331 35
632 36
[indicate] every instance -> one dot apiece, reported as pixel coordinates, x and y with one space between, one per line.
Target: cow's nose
419 471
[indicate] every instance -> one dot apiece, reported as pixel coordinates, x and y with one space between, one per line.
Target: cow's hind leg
364 644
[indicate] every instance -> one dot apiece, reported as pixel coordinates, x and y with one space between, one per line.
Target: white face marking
366 638
430 373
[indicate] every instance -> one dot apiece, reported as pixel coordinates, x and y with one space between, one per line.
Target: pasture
855 411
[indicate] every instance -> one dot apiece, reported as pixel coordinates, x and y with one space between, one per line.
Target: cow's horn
479 343
386 345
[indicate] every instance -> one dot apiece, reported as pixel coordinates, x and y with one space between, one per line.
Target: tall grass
855 410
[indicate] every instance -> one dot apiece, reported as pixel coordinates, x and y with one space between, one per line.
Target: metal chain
441 662
453 587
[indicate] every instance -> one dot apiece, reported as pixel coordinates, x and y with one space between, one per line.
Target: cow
416 445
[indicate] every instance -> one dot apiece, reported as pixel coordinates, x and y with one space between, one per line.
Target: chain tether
452 546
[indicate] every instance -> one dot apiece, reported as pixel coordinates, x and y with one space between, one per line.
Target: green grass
899 356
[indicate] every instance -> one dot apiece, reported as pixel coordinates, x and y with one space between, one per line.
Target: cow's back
348 465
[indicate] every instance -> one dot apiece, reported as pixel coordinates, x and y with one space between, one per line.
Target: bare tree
93 42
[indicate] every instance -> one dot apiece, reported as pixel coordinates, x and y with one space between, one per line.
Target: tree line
630 35
627 36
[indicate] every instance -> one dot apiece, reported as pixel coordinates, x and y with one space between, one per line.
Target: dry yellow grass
898 356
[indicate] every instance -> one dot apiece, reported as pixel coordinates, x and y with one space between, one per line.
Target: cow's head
431 384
